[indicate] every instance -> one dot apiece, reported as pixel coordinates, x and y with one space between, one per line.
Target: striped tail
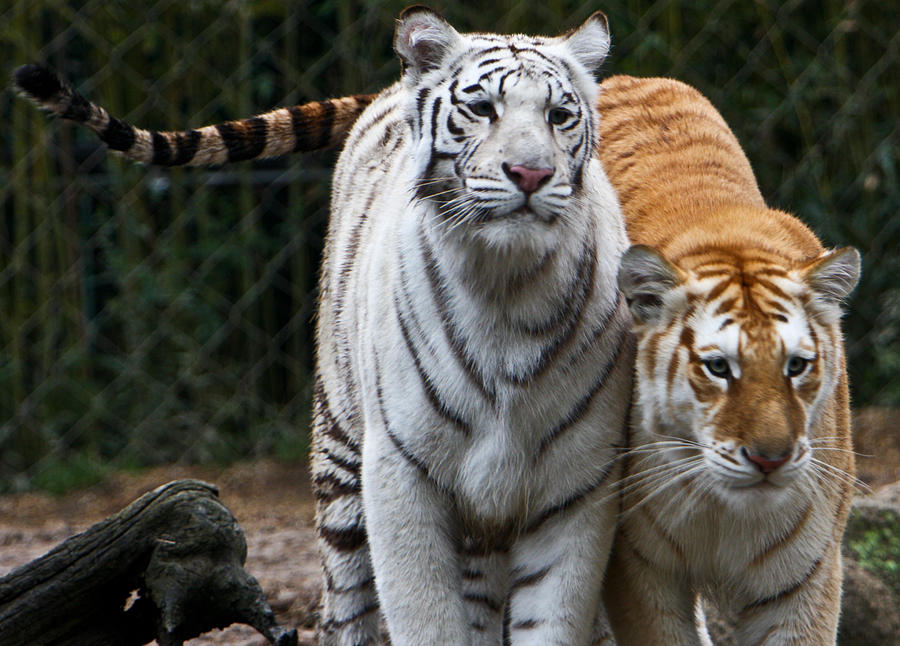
301 128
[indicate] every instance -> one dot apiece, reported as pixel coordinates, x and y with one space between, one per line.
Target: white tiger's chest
452 396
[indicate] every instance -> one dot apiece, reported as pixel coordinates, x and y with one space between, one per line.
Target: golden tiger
739 478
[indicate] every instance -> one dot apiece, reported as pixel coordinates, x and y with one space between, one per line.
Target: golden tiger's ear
644 277
422 40
832 277
589 43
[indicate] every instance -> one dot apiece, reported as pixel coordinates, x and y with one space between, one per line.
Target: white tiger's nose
527 179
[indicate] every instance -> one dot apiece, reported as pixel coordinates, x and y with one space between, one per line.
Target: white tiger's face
735 365
504 124
510 140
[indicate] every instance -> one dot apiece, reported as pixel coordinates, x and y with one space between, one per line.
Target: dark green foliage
873 539
150 315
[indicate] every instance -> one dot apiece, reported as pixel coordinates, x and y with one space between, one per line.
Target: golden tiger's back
740 476
681 174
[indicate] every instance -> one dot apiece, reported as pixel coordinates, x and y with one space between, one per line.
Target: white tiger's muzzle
520 169
527 179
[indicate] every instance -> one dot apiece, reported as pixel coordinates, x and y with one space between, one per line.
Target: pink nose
765 464
527 179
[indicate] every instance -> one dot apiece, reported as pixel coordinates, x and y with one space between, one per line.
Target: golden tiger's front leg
646 606
804 614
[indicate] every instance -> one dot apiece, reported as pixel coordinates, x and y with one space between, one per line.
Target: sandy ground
273 503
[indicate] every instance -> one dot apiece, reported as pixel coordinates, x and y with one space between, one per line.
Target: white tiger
474 359
474 355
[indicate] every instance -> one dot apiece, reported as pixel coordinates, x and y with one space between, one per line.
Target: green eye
796 366
558 116
718 367
482 109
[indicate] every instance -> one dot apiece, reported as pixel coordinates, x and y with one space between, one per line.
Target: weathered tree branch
167 567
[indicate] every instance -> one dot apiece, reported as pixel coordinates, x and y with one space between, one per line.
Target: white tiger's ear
644 277
422 40
832 277
589 43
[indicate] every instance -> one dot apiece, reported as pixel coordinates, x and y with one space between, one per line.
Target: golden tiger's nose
764 463
527 179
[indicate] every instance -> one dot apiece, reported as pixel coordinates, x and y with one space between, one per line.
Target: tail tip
37 81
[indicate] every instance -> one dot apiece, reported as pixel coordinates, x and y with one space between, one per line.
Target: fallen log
167 567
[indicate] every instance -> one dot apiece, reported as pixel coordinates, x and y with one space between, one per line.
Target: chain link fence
152 316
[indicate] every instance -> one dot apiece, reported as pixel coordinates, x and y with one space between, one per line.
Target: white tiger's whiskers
422 183
458 211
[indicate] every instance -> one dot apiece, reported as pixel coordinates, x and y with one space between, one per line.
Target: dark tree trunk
167 567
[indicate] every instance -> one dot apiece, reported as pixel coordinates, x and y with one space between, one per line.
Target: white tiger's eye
482 109
558 116
718 367
796 366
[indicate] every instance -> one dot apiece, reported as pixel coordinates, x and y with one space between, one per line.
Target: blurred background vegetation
151 316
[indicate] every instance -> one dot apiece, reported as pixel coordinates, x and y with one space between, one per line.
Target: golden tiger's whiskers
684 440
830 473
681 472
827 447
657 448
662 477
657 474
627 481
630 482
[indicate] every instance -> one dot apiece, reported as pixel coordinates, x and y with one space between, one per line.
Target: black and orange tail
300 128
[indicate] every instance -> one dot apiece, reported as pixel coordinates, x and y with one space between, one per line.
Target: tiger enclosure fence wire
151 315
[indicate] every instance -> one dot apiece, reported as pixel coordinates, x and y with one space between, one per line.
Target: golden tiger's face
748 368
736 361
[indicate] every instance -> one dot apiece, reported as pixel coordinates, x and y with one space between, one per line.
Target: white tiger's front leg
413 543
558 567
602 633
485 579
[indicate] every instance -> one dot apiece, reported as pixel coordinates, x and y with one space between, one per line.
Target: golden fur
731 299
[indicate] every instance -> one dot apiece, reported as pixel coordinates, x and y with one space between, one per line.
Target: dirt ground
273 503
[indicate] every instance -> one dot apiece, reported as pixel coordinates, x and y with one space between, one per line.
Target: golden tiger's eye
718 367
796 366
